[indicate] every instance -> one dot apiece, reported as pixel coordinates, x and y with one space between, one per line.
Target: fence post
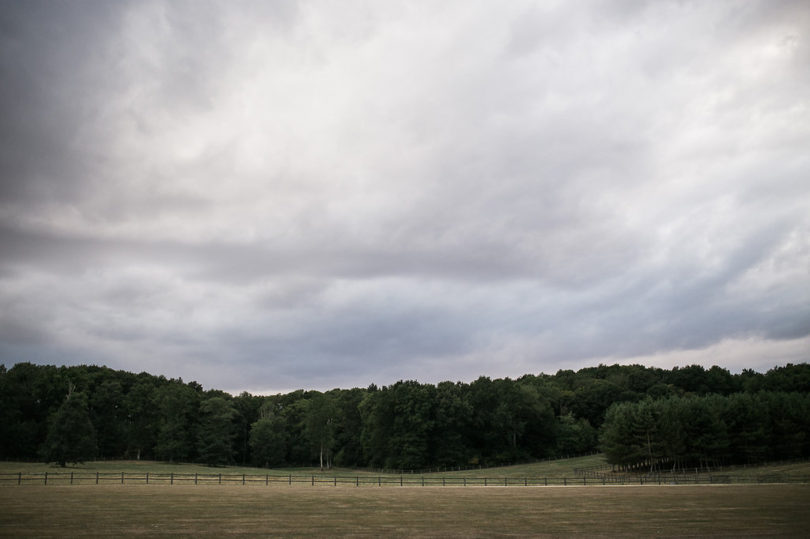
96 478
313 480
357 481
71 478
147 478
171 478
585 480
195 478
122 478
506 481
243 479
220 478
565 481
423 480
379 481
525 481
485 481
444 484
19 478
290 478
335 480
266 479
465 481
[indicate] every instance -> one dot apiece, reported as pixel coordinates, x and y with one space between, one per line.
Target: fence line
410 480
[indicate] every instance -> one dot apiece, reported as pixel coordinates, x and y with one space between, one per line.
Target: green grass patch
547 469
558 467
550 468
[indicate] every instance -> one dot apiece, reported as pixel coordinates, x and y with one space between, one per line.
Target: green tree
450 441
71 436
630 434
177 404
269 437
142 418
413 423
216 431
319 426
108 415
574 436
348 449
247 408
377 414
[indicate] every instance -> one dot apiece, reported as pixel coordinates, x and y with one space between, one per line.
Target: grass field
558 467
552 468
109 510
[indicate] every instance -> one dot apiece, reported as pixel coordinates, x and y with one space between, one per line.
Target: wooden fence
147 478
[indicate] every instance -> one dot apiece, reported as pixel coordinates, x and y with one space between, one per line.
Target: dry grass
110 510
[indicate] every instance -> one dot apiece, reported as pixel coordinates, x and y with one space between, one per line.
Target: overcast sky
278 195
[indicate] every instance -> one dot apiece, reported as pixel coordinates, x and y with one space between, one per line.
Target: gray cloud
281 195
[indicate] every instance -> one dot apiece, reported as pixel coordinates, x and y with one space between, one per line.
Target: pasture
110 510
550 468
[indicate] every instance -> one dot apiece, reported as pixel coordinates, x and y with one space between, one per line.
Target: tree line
69 414
705 431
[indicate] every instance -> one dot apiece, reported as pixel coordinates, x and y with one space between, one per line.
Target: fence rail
131 478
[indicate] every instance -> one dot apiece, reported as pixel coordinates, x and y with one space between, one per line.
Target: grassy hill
550 468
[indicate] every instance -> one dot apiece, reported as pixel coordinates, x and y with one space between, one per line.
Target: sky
266 196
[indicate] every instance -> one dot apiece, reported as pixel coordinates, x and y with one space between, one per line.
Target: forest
639 416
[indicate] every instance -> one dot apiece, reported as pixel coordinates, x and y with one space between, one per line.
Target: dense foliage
708 430
683 414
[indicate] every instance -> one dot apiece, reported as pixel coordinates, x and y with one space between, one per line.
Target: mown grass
112 510
798 468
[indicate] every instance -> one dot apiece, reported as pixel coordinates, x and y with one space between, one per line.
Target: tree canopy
634 414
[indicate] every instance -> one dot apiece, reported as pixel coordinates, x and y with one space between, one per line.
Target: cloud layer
267 196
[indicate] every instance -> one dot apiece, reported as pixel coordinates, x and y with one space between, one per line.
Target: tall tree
216 431
348 447
247 408
319 426
71 436
108 415
142 418
451 428
268 437
178 405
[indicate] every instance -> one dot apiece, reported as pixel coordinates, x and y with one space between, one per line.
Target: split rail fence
147 478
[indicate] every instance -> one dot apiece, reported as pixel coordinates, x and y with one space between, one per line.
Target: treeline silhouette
644 416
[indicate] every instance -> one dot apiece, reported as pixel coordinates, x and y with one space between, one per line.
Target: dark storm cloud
280 195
